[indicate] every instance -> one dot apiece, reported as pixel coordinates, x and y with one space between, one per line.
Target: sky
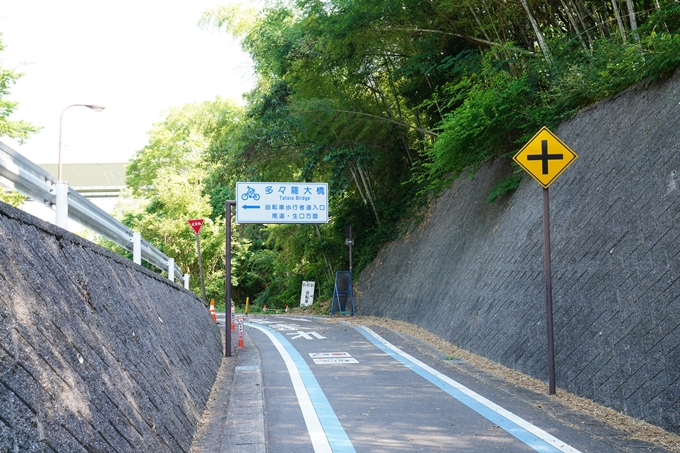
136 57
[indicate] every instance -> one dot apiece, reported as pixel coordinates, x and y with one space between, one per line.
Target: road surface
306 385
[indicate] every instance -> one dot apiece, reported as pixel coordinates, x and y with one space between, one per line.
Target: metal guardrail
22 175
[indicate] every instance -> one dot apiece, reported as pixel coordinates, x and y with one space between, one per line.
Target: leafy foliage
387 101
170 180
13 198
17 129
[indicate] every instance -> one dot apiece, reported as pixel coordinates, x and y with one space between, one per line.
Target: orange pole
240 332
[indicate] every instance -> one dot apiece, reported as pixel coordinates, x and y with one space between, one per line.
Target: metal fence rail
27 178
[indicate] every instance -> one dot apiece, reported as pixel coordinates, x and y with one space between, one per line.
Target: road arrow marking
305 335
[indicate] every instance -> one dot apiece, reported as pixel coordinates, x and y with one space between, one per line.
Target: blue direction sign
281 202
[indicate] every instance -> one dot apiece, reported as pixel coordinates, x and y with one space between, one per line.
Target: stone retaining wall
473 272
97 354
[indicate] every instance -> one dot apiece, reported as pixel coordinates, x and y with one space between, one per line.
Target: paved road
305 385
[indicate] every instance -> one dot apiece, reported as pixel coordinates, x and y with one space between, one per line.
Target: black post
349 242
227 281
548 292
200 266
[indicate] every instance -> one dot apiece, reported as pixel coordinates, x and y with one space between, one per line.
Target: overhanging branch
382 118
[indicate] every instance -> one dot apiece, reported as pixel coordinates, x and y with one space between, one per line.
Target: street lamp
62 187
95 107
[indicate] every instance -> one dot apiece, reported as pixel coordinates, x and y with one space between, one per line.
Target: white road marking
330 361
522 429
305 335
322 424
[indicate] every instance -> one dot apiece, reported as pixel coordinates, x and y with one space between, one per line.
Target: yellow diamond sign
545 157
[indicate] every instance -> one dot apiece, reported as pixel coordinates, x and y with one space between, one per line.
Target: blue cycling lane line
524 431
325 430
327 433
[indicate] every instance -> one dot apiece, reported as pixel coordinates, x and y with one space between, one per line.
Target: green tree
16 129
180 142
171 181
388 101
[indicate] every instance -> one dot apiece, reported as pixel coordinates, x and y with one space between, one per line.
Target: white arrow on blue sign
281 202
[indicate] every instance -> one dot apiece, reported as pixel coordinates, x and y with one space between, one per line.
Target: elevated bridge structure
98 180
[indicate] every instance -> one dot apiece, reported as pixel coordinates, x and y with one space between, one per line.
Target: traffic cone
212 309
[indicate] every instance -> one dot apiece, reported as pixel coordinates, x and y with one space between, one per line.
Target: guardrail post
137 247
171 269
186 281
62 204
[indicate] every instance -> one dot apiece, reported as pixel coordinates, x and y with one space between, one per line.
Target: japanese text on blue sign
281 202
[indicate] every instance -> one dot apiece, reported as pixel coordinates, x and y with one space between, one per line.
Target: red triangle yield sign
196 224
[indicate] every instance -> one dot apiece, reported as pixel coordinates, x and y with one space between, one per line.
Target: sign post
196 224
545 157
227 279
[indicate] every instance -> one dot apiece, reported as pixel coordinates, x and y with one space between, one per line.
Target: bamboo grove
387 101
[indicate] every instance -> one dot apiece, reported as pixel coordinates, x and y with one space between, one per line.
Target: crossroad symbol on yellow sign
545 157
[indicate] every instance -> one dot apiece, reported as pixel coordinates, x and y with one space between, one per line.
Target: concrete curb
234 418
244 428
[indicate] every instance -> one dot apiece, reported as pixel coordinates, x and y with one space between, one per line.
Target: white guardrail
27 178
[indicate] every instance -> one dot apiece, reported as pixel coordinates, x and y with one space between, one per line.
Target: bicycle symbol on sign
250 193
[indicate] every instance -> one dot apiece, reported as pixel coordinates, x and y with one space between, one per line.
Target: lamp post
95 107
61 186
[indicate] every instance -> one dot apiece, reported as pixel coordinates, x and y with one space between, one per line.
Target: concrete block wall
473 272
97 354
